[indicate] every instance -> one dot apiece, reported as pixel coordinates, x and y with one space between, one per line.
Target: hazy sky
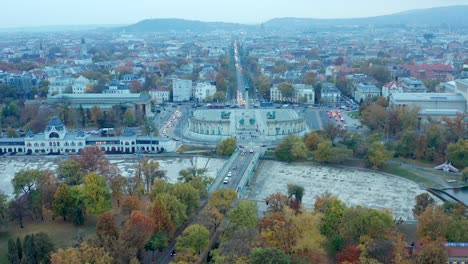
20 13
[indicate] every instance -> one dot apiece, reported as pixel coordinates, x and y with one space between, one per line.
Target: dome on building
55 121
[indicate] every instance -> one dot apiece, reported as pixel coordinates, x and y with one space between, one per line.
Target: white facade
330 94
159 95
391 88
60 84
57 140
364 91
80 84
181 90
302 93
204 90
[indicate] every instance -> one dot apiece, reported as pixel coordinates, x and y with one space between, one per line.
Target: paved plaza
353 186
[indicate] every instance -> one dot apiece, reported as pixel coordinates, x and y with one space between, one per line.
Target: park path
419 170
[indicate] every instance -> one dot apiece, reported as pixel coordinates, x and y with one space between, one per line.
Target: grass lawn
454 179
62 234
407 174
187 148
354 114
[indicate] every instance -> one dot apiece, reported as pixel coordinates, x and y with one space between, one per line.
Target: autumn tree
375 117
431 252
222 199
433 223
130 203
84 254
149 170
276 202
226 147
92 159
188 195
195 237
291 149
378 155
106 225
349 254
423 200
324 152
332 132
277 230
18 209
312 140
138 229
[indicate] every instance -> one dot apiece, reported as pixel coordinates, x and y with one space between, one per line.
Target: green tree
194 237
63 201
378 155
96 194
12 252
457 153
29 249
186 175
158 241
43 247
25 181
129 118
269 256
291 149
241 217
19 248
226 147
219 97
287 90
188 195
3 207
69 172
295 190
361 221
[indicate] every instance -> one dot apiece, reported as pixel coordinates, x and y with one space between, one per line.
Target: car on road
251 151
226 180
229 174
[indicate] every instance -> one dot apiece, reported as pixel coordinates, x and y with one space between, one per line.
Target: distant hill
450 15
172 24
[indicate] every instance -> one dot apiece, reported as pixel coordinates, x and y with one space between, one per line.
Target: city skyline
106 12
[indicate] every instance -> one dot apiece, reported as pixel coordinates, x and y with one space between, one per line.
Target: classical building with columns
263 124
57 140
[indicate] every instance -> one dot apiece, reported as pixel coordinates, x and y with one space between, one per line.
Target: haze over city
86 12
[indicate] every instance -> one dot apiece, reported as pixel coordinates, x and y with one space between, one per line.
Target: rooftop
427 97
